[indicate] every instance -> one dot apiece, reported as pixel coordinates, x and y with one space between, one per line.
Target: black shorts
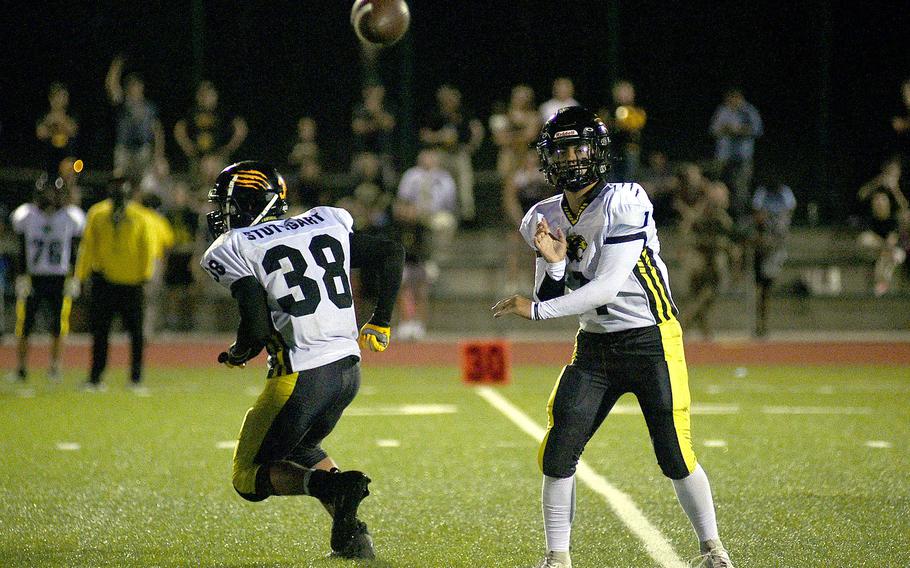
648 362
291 418
47 295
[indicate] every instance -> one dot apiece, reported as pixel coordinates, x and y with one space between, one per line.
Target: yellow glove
231 360
374 337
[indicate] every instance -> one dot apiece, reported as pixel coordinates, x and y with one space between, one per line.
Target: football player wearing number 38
598 258
290 277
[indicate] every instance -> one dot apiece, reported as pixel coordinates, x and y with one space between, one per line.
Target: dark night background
825 76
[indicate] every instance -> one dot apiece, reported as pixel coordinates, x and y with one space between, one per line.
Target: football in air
380 22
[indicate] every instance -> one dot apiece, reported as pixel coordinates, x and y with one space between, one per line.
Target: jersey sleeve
628 219
224 262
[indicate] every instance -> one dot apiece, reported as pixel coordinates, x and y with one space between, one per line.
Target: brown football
380 22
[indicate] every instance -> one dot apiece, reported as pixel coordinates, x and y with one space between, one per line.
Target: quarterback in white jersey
49 230
598 258
291 280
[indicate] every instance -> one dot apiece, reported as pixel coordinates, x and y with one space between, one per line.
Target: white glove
72 287
23 286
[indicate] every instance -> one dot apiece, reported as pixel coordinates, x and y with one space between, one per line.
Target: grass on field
149 485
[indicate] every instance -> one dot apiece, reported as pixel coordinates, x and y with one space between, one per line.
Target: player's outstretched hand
518 305
552 246
374 337
230 359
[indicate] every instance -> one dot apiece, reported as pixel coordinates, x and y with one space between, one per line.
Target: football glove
23 286
374 337
72 287
231 359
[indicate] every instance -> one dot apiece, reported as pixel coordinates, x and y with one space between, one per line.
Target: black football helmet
50 195
574 148
245 193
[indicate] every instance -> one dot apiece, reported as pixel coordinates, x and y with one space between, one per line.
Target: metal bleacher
825 286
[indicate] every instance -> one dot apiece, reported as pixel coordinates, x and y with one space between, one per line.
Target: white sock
558 497
694 494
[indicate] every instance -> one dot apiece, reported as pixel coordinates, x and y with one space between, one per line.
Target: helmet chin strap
266 210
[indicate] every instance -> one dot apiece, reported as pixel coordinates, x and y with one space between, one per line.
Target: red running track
196 353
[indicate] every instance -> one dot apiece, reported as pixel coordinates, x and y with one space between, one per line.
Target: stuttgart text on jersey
292 224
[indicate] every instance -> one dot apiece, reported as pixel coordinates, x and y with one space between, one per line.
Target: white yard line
628 512
878 444
816 410
715 443
388 443
226 445
635 409
68 446
403 410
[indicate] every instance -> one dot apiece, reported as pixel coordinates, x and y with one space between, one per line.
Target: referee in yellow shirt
117 254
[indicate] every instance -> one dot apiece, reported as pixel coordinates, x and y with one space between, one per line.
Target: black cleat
350 489
360 547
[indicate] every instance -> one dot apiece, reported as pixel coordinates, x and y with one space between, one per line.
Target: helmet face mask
246 193
573 148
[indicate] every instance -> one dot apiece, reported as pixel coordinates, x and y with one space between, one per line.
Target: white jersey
48 237
303 262
616 216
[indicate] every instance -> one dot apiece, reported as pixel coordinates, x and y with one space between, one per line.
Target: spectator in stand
424 213
772 211
523 188
57 129
625 122
178 275
514 130
735 126
456 134
305 148
373 124
887 210
688 188
68 170
162 241
207 136
117 256
370 206
901 126
658 181
140 137
563 93
712 235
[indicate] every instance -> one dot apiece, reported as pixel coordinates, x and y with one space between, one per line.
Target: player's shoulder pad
222 245
627 210
544 208
337 213
75 214
20 214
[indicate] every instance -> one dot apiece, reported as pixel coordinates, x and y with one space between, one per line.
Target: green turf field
150 486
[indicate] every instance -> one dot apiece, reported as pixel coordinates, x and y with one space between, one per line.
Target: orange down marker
486 362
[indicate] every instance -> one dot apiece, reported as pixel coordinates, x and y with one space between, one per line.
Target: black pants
47 294
106 301
648 362
291 418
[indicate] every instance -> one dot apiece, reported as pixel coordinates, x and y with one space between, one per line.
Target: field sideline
808 463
